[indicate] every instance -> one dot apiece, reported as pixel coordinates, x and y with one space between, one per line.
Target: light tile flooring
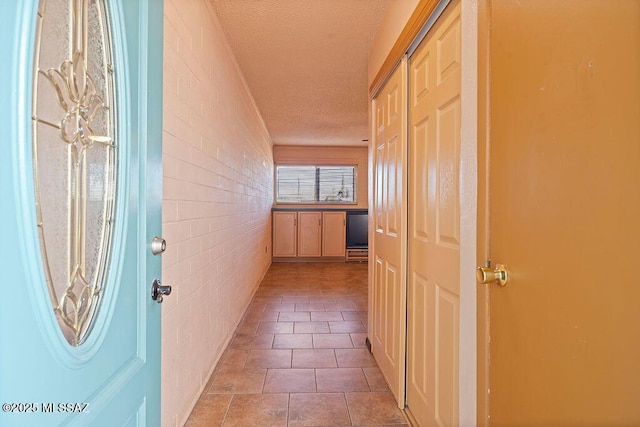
299 357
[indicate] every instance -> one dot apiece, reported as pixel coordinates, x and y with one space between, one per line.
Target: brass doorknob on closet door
498 275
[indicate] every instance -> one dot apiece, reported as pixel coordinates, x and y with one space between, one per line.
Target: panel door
309 234
389 213
334 235
80 181
434 224
285 236
564 208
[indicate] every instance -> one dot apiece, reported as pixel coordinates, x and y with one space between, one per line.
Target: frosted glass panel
74 157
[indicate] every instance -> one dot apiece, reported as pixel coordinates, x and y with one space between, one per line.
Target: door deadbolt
498 275
158 291
158 245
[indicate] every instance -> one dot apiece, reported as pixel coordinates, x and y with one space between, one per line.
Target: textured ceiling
305 62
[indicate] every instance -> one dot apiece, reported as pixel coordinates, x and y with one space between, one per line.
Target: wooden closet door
564 212
434 224
389 250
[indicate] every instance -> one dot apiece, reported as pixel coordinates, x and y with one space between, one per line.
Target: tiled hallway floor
299 357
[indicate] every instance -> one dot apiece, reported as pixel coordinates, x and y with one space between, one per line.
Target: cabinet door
333 233
309 234
284 234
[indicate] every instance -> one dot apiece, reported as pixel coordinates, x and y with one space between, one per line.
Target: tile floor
299 356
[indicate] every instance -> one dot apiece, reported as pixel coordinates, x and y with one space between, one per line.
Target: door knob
158 290
497 275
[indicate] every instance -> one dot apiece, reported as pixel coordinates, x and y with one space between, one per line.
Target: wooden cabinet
309 234
333 234
285 236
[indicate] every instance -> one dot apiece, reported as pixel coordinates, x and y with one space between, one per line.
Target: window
315 184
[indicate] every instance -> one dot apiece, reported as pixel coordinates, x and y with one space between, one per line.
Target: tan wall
217 196
285 154
395 18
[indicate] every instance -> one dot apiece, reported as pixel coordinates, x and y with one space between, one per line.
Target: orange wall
395 18
285 154
217 197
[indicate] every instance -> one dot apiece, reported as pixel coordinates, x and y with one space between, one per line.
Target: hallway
299 356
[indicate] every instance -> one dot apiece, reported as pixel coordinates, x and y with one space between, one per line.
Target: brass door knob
497 275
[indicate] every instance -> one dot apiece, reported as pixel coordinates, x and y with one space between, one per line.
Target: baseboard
309 259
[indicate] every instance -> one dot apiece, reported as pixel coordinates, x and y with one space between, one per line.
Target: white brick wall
217 196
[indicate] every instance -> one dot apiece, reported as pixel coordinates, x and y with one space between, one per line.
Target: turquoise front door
80 204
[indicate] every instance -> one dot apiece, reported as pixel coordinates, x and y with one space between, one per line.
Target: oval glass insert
74 157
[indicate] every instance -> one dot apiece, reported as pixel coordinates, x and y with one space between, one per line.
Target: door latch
158 290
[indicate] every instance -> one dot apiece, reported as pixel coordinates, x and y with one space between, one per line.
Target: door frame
472 357
468 215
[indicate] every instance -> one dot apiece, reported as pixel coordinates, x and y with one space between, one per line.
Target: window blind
315 184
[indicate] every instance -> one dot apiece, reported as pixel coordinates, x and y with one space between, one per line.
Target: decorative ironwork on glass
77 95
74 157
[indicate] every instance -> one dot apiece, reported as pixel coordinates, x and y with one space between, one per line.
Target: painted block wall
217 196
